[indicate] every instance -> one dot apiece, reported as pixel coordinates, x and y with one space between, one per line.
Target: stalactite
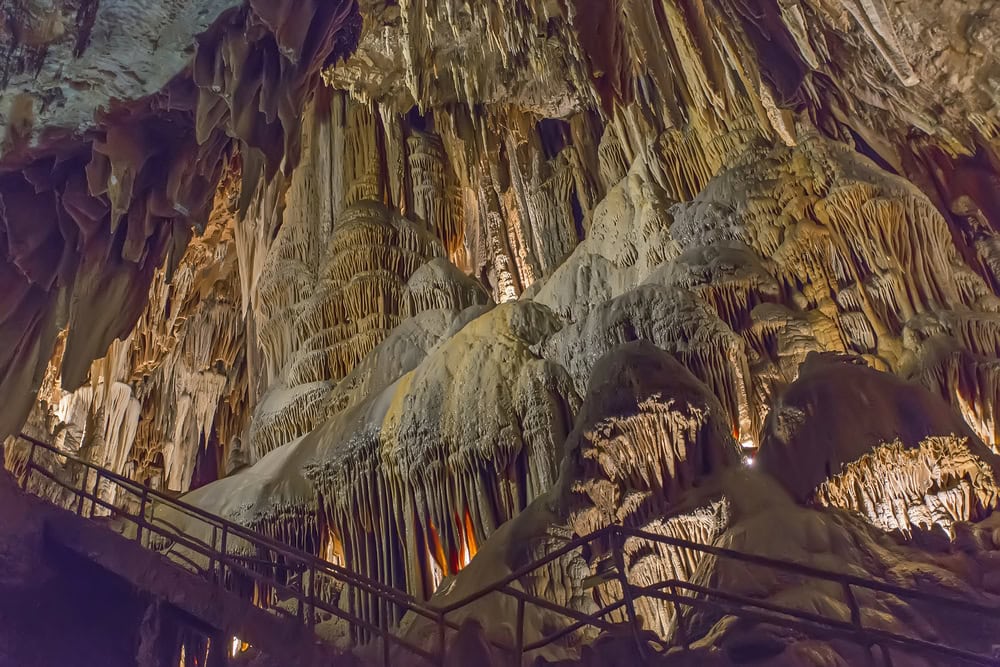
675 321
424 477
937 483
372 274
122 200
157 392
435 196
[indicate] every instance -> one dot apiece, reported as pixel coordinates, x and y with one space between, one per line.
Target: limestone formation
647 433
428 288
104 187
847 436
765 521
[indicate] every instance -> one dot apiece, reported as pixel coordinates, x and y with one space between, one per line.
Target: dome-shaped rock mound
647 432
846 435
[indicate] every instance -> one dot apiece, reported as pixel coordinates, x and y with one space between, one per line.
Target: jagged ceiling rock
518 54
940 55
66 60
87 220
848 436
157 401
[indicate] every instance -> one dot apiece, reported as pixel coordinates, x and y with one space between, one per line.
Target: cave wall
124 160
519 157
400 280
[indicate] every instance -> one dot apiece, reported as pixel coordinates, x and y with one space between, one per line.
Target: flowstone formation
843 435
696 489
429 288
646 434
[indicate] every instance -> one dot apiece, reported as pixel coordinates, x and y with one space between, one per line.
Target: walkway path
310 588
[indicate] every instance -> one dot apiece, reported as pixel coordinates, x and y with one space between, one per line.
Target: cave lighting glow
237 646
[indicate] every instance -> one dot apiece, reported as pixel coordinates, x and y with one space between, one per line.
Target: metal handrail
299 561
700 597
258 539
829 625
808 571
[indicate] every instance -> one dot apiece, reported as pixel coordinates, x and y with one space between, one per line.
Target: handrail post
222 555
311 621
519 639
213 550
441 632
142 514
97 487
618 549
886 656
300 585
300 612
83 493
852 604
681 631
383 625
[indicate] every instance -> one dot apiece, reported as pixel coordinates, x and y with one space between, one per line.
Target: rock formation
847 436
430 288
